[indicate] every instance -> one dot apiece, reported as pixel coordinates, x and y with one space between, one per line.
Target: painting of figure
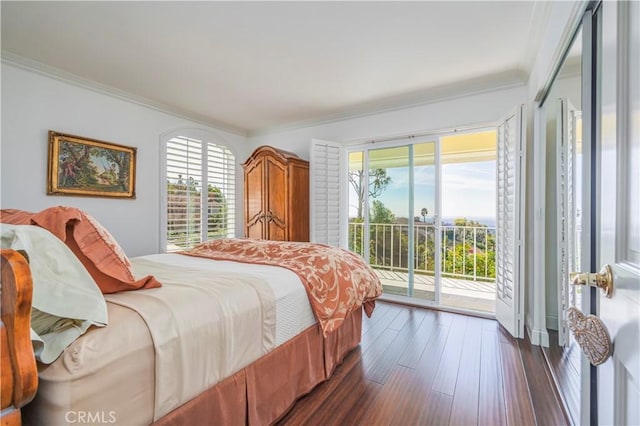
83 166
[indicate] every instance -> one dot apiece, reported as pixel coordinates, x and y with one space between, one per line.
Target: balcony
467 261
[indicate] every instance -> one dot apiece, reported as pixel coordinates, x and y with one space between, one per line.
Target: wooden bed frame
19 372
258 394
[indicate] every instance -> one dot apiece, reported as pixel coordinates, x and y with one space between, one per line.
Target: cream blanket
204 327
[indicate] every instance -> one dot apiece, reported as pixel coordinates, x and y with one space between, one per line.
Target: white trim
438 220
521 217
399 138
36 67
589 115
410 222
537 336
570 30
539 223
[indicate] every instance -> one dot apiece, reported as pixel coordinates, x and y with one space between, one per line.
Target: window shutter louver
200 185
325 190
566 204
509 229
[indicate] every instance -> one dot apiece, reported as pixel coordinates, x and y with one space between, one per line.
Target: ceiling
250 67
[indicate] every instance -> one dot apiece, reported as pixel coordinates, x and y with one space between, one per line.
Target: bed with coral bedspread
235 332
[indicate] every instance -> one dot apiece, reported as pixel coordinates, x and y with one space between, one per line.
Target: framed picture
89 167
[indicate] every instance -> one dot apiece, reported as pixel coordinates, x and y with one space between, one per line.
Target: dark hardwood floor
565 365
417 366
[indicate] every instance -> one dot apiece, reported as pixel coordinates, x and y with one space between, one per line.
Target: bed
206 339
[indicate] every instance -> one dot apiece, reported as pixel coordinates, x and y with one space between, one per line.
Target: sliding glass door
393 212
423 216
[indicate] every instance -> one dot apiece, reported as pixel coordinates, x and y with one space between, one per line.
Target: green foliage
457 249
380 213
184 200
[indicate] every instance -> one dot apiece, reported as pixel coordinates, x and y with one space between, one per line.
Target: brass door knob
603 279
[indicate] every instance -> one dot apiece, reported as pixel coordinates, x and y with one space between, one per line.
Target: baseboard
551 322
538 337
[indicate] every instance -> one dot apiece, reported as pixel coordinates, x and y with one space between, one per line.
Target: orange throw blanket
337 281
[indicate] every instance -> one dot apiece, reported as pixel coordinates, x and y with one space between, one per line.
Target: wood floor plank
464 410
491 409
379 311
379 324
393 397
379 370
545 400
350 400
401 319
445 381
417 384
566 374
437 410
490 371
413 351
516 392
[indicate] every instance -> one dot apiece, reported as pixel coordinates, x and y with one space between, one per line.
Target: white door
510 172
618 242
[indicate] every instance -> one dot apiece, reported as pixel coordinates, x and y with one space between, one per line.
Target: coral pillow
94 246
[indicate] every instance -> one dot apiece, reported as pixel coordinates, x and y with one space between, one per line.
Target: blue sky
468 190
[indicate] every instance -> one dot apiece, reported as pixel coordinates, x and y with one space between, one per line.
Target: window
200 192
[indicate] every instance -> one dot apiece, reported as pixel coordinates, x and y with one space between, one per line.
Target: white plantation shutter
566 203
509 228
200 192
325 187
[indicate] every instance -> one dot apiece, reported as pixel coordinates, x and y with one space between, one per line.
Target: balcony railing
466 251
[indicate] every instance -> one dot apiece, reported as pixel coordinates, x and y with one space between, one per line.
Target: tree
424 212
380 213
378 182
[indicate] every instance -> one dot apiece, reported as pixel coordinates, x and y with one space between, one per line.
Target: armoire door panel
276 191
256 229
299 203
254 184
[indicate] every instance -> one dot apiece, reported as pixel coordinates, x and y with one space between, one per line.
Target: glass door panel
357 204
427 258
389 222
468 222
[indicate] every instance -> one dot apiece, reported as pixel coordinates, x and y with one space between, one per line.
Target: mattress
109 372
293 311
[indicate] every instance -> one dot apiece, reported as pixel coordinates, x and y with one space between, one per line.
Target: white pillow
66 299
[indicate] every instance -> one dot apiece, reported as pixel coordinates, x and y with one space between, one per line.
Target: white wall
464 111
33 104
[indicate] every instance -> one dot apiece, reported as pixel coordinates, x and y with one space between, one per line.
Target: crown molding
36 67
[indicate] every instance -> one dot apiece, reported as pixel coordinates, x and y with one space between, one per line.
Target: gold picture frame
89 167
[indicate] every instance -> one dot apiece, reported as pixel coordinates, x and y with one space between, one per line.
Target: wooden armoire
276 195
